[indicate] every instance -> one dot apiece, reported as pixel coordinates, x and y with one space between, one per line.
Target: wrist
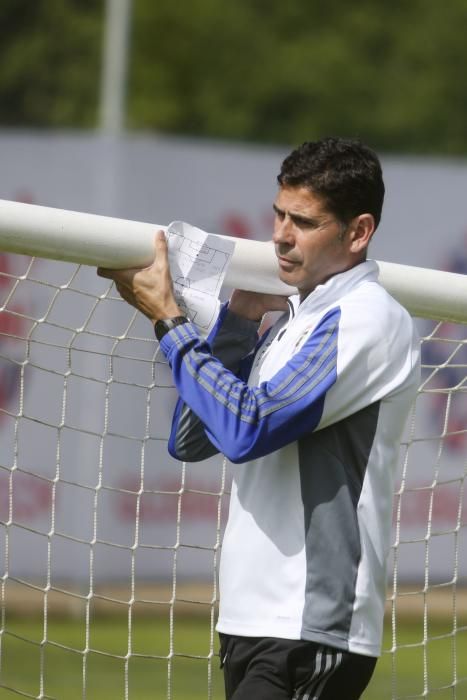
169 311
164 325
244 312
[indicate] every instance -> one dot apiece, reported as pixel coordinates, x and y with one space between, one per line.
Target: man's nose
283 231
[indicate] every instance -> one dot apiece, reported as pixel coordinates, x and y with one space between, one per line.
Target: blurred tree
388 71
50 57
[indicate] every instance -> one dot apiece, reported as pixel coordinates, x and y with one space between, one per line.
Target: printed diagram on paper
198 264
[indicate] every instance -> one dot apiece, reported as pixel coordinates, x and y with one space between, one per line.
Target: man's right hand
253 305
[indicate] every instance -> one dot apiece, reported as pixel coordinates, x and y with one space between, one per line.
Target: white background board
224 189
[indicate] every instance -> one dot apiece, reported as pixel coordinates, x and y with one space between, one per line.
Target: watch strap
165 325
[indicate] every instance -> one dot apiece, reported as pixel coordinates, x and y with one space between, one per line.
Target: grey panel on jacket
333 462
235 339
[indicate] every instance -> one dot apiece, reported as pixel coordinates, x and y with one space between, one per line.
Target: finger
280 305
121 276
161 248
105 272
124 292
282 302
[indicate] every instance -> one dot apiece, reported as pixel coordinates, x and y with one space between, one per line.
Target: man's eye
304 223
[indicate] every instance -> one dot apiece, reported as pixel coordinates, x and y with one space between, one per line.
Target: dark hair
344 172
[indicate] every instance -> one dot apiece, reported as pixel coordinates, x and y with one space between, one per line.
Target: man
311 415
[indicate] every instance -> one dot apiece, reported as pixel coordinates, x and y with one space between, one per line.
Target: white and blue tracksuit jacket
311 415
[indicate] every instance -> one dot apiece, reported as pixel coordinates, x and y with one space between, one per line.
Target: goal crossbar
103 241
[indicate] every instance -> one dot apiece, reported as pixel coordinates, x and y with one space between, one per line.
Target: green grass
61 661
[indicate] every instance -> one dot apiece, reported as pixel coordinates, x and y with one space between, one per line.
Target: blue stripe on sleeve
248 422
236 349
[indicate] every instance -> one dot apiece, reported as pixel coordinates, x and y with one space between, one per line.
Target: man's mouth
286 262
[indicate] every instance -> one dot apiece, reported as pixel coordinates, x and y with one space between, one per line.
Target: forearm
232 339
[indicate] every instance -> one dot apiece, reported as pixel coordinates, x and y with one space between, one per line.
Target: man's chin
288 277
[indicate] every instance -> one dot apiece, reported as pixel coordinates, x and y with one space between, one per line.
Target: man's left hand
150 289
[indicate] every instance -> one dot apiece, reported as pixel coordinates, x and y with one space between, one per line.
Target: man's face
311 244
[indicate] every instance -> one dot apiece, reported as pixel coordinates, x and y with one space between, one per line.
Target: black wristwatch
164 325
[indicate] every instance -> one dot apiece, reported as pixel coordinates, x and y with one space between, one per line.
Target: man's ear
362 228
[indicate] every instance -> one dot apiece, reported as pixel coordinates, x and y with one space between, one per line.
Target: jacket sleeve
232 341
246 422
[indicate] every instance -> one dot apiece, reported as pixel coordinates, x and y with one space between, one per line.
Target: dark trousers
265 668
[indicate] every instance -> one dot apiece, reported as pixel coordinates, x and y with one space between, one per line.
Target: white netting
429 572
109 547
96 517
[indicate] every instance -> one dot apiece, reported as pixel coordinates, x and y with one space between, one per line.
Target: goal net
109 548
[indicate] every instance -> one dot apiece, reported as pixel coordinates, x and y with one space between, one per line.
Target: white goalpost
104 241
109 548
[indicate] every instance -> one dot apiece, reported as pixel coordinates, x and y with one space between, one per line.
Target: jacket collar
335 287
